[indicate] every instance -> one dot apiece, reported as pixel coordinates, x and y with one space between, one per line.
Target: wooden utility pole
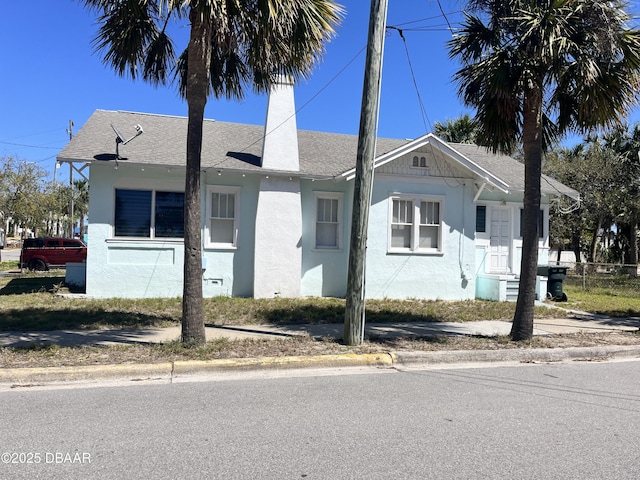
367 135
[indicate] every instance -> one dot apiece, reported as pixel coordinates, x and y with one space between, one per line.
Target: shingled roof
238 147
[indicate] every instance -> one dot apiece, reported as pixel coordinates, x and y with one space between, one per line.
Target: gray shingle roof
511 171
238 147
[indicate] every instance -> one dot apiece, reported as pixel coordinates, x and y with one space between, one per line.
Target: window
419 162
481 218
540 223
328 220
415 224
222 216
149 214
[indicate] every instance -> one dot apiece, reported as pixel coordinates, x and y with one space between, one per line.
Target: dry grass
47 356
28 302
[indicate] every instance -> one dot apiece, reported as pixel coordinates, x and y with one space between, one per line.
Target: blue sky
51 74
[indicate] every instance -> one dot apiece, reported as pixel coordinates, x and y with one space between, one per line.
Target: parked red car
43 253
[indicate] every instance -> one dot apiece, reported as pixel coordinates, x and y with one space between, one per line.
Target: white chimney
280 148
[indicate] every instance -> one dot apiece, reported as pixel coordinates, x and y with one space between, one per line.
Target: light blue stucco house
444 220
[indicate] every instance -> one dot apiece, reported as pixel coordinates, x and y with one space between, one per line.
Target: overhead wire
29 146
312 98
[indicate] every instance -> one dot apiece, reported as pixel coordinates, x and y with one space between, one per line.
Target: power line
313 97
423 112
30 146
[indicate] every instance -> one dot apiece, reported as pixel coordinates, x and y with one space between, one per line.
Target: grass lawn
29 302
614 302
8 265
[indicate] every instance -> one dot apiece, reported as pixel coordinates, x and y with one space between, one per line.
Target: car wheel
37 265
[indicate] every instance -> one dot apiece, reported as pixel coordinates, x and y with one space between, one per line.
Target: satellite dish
120 138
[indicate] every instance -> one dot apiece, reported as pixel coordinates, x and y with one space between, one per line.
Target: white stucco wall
324 272
130 268
448 275
280 147
229 272
142 268
278 238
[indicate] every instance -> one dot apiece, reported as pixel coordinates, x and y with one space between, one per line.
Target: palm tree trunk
199 58
522 328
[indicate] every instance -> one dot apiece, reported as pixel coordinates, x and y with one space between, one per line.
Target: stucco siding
229 272
132 268
324 271
448 275
278 237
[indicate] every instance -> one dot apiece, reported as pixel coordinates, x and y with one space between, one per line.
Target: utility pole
71 228
363 184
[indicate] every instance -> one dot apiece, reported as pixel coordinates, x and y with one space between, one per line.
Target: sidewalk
488 328
192 370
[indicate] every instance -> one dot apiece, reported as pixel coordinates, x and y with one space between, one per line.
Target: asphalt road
565 421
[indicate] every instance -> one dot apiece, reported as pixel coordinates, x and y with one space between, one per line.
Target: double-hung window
148 214
222 216
415 224
328 220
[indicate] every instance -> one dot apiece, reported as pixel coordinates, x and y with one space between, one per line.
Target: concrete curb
520 355
182 368
168 371
48 375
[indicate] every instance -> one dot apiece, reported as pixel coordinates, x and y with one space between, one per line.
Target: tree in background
605 170
232 44
534 69
592 170
81 202
459 130
23 193
624 143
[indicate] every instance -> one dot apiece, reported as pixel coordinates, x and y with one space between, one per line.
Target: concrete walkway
577 322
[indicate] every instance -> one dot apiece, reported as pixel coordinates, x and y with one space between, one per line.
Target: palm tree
535 69
459 130
232 44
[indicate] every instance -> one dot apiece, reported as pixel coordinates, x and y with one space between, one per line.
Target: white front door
500 240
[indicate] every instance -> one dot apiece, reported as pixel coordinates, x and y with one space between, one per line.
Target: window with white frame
328 220
419 161
415 224
222 216
148 214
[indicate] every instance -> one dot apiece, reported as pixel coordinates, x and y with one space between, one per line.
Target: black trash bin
555 275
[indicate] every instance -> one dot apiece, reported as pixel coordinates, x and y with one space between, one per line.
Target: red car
42 253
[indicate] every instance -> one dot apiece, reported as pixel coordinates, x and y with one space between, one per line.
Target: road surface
564 421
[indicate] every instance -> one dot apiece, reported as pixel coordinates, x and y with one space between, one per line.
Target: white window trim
152 225
416 199
207 226
330 196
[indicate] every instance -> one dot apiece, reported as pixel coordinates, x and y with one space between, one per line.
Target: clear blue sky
51 74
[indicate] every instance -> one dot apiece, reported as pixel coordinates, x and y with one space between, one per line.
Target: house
276 210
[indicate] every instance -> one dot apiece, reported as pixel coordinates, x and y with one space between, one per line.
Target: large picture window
148 214
222 216
415 224
328 220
